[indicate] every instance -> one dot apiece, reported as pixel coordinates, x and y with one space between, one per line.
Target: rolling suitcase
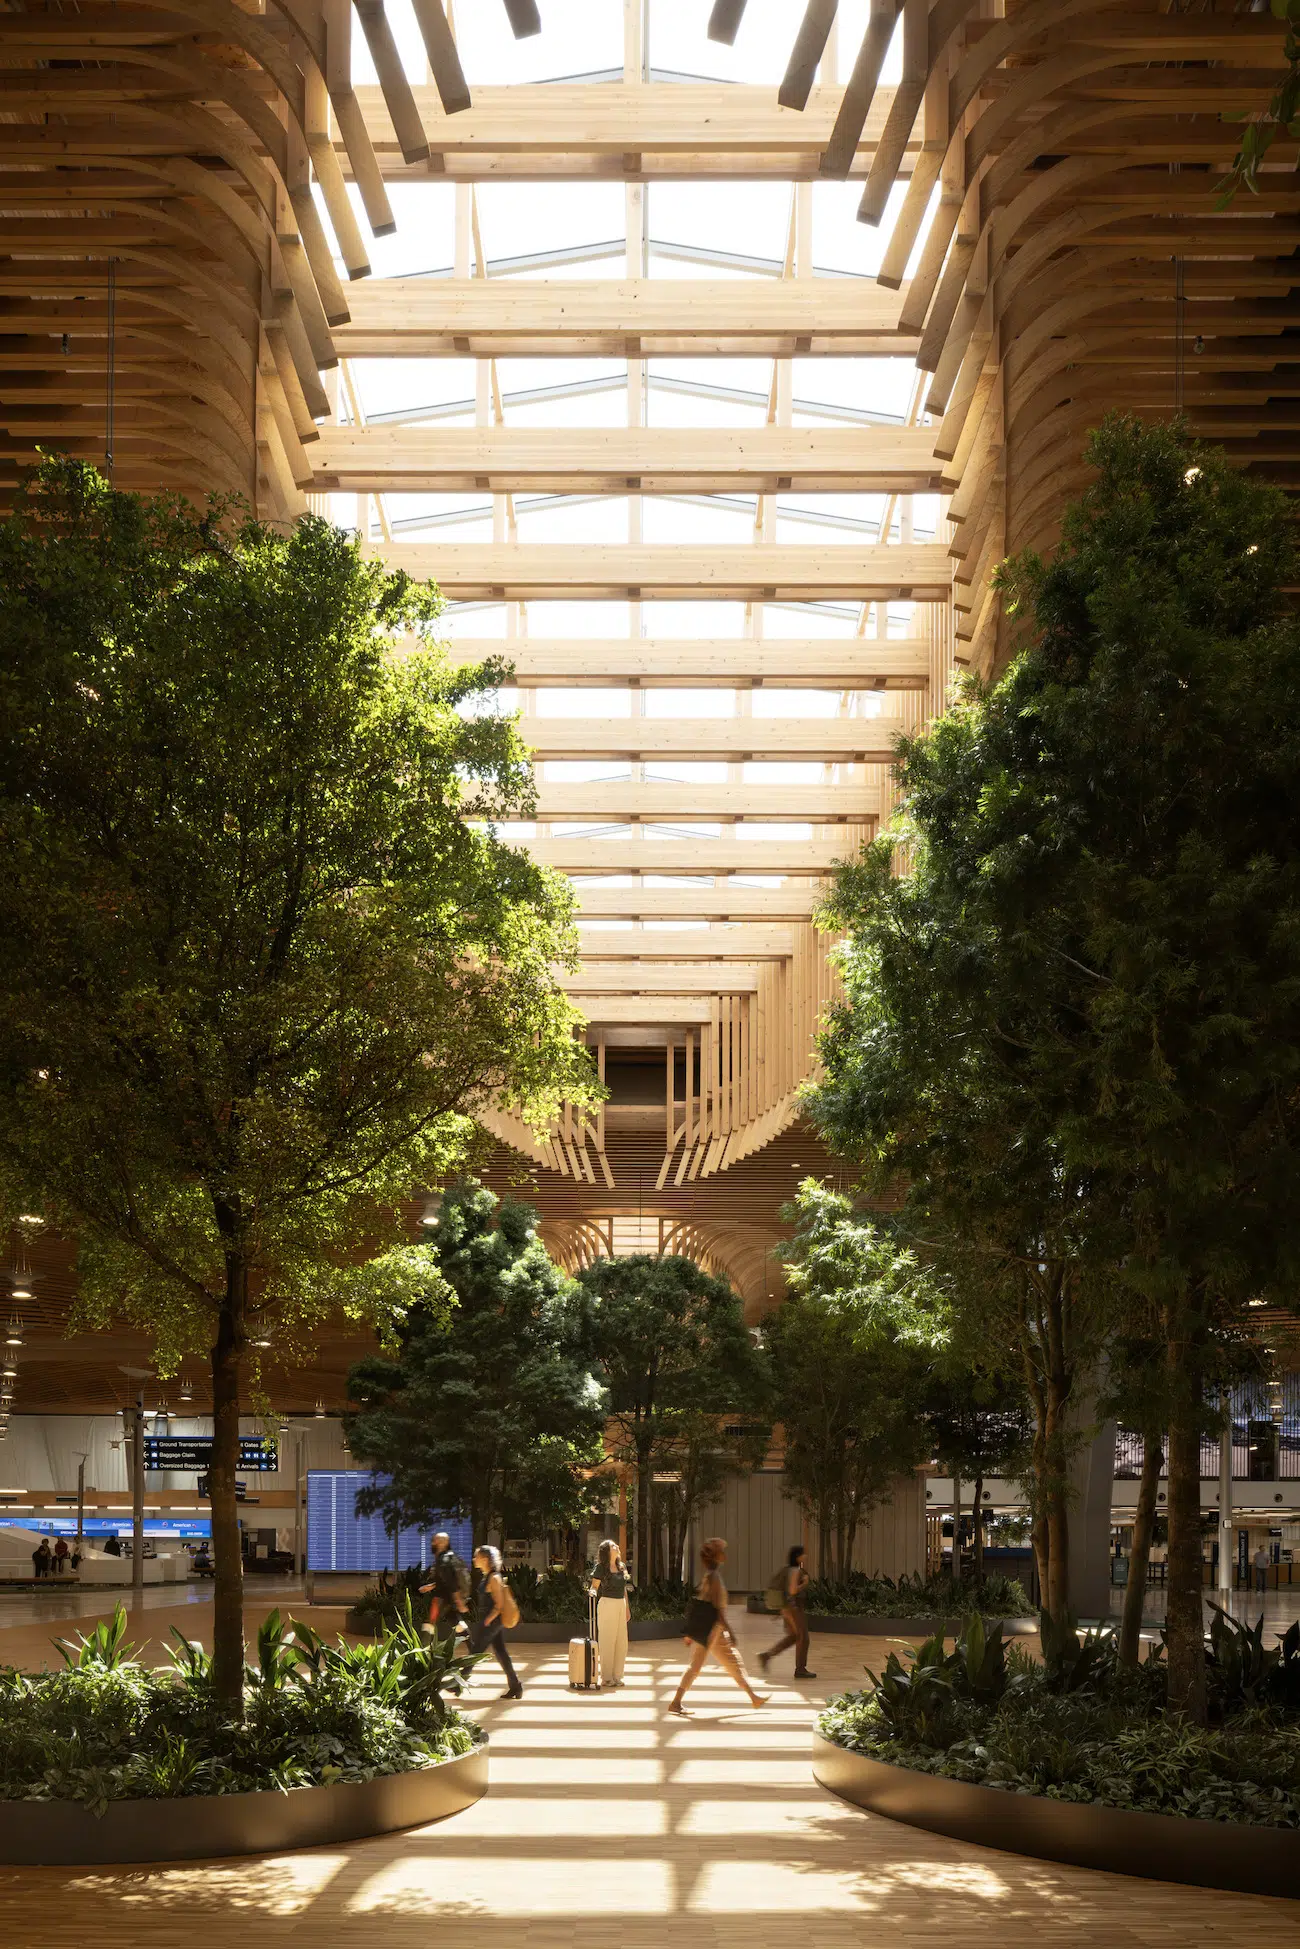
584 1656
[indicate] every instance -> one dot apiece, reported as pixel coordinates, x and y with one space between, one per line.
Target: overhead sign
179 1453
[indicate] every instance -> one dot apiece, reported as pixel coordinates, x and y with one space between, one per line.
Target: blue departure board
339 1539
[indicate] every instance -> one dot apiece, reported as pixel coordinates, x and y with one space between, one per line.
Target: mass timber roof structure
709 359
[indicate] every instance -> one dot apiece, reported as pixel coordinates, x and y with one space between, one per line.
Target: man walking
1260 1561
449 1585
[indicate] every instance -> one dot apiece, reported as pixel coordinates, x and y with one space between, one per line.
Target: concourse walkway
611 1826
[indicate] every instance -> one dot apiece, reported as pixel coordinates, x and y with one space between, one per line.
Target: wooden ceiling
188 193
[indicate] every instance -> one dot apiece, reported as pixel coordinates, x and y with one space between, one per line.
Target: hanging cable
1180 346
112 368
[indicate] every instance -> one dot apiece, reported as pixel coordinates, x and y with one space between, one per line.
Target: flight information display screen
339 1539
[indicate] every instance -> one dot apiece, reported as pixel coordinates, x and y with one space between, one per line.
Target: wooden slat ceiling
177 185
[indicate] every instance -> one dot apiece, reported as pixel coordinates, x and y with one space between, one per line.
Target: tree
1156 716
260 967
1279 118
940 1074
979 1426
491 1409
671 1344
1114 825
850 1349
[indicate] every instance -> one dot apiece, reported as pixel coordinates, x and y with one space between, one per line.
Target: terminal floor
609 1824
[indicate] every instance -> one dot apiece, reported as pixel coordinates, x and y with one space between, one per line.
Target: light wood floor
609 1826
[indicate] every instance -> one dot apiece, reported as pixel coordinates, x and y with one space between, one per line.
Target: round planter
866 1625
1159 1847
59 1833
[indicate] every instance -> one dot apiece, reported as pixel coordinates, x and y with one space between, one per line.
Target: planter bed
866 1625
61 1833
1160 1847
640 1629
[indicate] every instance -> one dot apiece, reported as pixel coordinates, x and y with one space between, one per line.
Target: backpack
509 1606
449 1561
774 1597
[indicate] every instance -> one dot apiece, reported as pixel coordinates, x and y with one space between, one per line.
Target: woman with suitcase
707 1629
610 1587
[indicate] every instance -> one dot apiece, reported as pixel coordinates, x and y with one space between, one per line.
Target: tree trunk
1143 1523
1042 1555
227 1559
956 1529
1055 1490
1184 1616
643 1488
977 1519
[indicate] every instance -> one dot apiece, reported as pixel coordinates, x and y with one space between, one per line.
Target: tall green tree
491 1410
940 1076
260 969
671 1344
851 1349
979 1426
1114 827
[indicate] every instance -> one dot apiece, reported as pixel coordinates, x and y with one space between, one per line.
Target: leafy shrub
106 1728
560 1597
1082 1727
381 1604
915 1596
1242 1672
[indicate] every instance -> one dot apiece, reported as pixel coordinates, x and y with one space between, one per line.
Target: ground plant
860 1595
1083 1726
106 1727
560 1597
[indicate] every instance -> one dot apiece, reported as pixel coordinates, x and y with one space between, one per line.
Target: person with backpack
610 1587
450 1585
787 1593
493 1612
42 1558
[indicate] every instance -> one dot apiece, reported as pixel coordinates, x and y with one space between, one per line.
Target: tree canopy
261 969
672 1348
851 1351
491 1409
1086 997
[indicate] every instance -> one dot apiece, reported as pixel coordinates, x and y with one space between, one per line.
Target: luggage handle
591 1615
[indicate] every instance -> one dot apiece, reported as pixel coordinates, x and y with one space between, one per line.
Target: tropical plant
314 1713
1071 1661
265 951
913 1595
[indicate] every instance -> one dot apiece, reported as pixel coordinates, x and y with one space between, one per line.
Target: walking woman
610 1587
795 1613
489 1604
707 1629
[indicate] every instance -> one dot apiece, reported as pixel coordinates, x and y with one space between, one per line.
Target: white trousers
611 1630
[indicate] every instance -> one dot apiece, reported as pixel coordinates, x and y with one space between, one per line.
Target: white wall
760 1523
42 1451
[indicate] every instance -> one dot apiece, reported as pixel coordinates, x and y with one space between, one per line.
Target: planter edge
46 1833
1156 1847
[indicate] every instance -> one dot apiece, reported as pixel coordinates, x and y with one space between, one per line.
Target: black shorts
701 1618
